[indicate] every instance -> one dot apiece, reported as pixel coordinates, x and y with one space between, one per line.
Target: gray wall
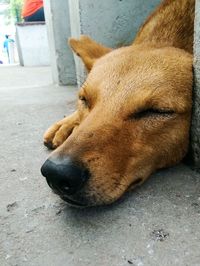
195 130
114 22
111 22
58 26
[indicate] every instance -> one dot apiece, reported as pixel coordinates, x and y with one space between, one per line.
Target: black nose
64 176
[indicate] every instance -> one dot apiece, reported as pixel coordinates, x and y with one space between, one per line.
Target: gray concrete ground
157 224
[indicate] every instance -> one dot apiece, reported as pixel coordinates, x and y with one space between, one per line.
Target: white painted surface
34 47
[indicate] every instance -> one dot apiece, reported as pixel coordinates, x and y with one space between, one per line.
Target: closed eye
84 100
152 112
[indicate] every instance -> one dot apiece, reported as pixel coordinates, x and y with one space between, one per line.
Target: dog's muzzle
65 177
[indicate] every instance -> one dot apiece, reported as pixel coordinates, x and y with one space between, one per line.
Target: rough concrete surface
195 132
114 23
58 29
157 224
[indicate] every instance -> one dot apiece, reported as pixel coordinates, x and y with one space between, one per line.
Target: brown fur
110 132
171 24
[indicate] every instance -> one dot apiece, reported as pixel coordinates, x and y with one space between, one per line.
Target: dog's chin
82 200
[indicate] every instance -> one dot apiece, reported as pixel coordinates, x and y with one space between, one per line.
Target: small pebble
23 178
160 235
58 212
11 206
8 256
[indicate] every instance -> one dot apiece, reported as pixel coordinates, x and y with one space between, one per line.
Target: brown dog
133 112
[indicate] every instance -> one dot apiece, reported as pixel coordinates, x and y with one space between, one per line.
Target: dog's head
134 115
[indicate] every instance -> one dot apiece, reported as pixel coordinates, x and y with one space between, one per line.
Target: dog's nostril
65 175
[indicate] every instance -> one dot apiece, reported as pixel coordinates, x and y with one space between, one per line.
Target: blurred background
10 13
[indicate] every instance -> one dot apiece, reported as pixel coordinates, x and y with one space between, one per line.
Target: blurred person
6 45
33 10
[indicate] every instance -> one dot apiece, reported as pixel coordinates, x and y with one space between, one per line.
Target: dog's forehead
130 70
131 77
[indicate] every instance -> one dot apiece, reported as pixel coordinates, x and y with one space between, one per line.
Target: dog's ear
88 50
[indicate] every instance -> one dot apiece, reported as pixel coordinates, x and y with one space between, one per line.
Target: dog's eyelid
83 94
142 113
82 98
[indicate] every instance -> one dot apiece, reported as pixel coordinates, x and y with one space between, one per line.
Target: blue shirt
6 42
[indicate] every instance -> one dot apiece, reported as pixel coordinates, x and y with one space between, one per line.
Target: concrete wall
58 28
32 44
195 130
113 23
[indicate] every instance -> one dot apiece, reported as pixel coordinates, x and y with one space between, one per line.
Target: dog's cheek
83 113
75 129
104 192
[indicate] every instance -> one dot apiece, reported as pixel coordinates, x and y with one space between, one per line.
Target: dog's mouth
69 200
72 202
66 198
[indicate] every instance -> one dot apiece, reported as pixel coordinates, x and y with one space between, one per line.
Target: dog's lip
72 202
66 198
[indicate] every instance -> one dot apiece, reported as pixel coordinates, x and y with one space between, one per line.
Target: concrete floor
157 224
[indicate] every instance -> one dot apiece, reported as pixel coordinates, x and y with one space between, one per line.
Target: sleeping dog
133 114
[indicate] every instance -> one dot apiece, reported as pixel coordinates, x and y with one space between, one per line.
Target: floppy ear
88 50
